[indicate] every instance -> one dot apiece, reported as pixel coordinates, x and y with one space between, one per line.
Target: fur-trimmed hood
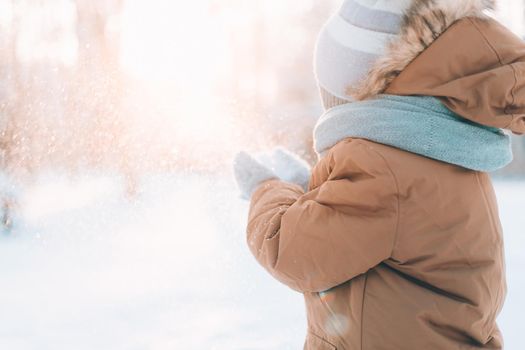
455 51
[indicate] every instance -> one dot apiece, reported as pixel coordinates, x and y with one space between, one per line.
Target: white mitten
249 173
290 167
287 166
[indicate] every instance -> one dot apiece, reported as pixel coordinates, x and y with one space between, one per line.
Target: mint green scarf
418 124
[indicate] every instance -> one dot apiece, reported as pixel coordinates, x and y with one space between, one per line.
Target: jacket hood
455 51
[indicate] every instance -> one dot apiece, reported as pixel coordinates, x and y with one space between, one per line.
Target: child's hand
249 173
287 166
290 167
282 164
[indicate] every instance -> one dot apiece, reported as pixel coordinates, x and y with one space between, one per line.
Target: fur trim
423 22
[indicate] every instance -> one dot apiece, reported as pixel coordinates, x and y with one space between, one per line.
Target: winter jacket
393 250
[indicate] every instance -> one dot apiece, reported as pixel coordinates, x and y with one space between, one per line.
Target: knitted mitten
290 167
287 166
249 173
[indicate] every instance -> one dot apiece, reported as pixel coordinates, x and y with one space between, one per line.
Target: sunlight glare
180 46
171 40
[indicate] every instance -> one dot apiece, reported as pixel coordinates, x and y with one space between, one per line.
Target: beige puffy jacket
393 250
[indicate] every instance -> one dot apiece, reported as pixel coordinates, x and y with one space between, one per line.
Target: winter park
260 175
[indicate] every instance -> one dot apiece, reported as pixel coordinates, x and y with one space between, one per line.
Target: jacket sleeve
345 225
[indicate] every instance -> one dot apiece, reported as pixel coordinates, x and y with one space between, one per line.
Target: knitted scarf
418 124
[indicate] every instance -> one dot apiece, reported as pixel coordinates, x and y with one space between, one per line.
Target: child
397 243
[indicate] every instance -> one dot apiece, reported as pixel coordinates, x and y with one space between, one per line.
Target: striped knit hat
351 41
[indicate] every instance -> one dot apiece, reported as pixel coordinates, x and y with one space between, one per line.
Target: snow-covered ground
87 268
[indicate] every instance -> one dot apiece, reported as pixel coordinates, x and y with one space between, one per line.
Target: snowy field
87 268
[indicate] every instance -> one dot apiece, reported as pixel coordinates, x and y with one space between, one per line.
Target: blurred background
121 226
147 86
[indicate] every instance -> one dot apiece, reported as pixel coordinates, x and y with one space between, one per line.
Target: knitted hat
351 41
